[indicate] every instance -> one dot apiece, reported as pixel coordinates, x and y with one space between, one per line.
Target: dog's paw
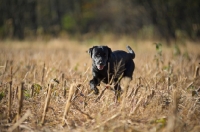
96 91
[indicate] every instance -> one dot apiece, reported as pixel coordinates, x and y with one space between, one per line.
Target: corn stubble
47 89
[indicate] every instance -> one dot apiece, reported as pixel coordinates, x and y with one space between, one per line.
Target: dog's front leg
93 85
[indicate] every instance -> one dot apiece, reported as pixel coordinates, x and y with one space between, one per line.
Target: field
44 86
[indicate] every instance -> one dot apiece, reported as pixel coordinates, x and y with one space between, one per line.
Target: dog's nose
100 61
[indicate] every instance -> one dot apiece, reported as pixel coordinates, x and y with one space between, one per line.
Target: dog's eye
104 55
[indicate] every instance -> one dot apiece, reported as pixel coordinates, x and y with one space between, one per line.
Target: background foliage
168 19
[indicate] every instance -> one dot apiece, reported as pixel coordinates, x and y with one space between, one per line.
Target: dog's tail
132 53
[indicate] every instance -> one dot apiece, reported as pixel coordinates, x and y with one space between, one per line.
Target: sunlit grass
163 95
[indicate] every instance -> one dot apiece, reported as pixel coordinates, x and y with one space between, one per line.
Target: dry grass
164 94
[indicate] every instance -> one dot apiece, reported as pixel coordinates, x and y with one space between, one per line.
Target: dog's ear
109 51
90 51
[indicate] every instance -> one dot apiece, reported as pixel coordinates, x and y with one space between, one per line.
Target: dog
109 65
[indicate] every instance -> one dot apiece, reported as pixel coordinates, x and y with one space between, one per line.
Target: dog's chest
106 75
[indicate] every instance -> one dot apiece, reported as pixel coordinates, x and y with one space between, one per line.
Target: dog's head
100 55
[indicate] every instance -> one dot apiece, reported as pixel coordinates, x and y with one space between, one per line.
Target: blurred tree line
166 19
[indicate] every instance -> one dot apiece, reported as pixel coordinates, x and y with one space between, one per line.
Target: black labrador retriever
108 64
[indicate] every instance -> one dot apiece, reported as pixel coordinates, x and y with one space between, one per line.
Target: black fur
120 62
